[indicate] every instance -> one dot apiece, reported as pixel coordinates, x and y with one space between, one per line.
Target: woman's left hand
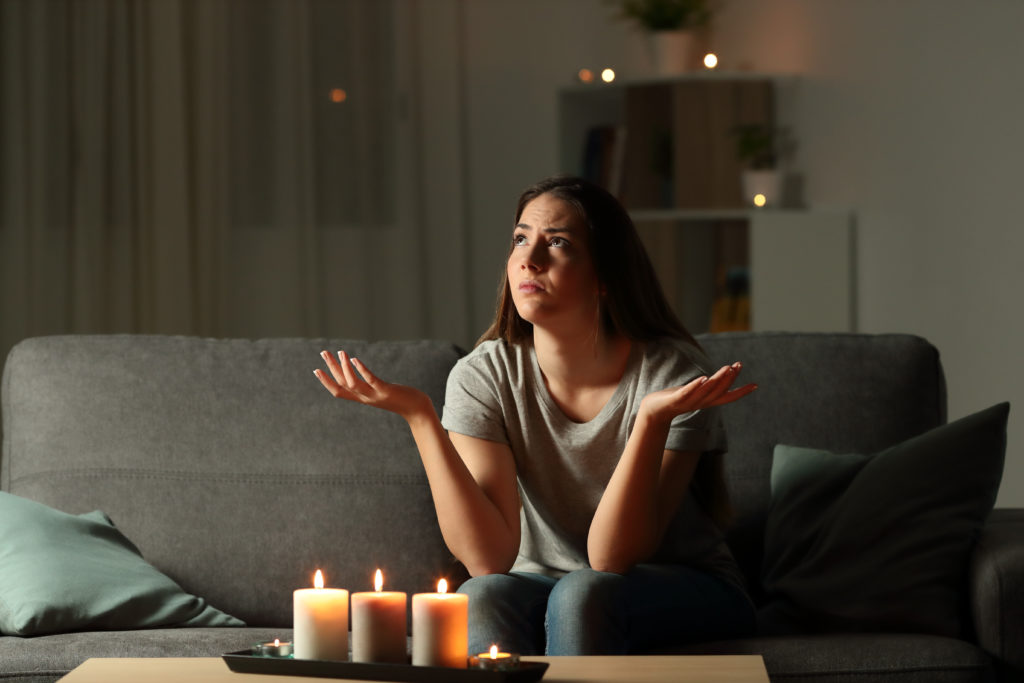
703 392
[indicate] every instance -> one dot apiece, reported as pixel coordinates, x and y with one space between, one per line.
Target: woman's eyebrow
527 226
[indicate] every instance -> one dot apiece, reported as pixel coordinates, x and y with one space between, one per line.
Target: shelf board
702 75
737 213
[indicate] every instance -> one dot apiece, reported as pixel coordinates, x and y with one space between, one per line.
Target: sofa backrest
227 463
842 392
236 474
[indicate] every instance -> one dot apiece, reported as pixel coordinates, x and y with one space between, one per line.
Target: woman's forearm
472 525
626 529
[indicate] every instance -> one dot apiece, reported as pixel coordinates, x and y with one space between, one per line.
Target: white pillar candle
379 625
440 631
320 622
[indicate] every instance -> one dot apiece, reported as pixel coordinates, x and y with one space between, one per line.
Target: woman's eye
558 242
518 240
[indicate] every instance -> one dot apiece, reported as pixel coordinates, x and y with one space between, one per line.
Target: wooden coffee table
653 669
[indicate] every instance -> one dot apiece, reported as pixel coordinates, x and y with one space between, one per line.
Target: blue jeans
588 612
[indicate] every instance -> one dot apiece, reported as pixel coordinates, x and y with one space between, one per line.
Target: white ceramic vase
672 51
764 183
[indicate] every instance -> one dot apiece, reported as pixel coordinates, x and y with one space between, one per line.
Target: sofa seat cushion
861 658
44 659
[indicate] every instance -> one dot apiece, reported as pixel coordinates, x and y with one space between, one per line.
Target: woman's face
550 272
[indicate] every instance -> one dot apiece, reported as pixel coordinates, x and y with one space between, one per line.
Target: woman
580 471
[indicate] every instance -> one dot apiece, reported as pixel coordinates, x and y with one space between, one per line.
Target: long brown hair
634 306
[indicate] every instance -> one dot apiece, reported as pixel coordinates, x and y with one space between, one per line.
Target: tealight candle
497 661
440 631
379 625
274 649
320 622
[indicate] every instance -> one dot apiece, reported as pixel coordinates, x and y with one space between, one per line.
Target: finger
735 394
352 382
718 384
370 378
333 387
332 365
706 391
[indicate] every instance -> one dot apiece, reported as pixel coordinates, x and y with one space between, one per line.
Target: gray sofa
236 475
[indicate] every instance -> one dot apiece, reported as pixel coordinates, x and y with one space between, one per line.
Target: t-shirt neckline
612 404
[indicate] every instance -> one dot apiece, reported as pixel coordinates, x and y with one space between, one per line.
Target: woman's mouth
529 286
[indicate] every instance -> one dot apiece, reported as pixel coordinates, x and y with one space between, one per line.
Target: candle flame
442 586
318 580
494 651
277 642
378 581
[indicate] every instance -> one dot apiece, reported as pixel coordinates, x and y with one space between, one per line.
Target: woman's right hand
366 388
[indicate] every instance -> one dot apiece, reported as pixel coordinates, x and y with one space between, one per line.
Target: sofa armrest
997 589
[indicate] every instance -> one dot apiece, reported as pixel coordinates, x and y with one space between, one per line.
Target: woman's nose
534 258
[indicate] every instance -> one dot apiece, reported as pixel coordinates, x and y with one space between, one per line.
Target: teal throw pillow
62 572
880 542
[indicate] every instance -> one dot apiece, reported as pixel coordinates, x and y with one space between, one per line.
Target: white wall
908 112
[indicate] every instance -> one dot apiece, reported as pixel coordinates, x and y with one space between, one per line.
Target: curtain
210 167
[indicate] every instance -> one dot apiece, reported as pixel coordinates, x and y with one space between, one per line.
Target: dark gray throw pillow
880 542
62 572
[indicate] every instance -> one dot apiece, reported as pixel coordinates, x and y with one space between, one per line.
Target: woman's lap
591 612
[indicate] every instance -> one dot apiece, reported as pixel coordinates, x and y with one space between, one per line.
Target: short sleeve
471 403
699 432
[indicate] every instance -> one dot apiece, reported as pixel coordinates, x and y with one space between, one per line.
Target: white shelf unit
800 263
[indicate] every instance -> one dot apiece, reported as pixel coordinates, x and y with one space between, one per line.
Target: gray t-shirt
497 393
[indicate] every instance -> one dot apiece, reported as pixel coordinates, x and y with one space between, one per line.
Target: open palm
350 379
702 392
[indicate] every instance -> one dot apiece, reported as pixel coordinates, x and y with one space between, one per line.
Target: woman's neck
585 361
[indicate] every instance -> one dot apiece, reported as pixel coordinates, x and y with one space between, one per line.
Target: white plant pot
766 184
672 51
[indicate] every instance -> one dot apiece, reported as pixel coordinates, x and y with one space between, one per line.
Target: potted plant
671 25
759 147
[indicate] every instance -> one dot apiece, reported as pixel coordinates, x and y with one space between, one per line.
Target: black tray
245 662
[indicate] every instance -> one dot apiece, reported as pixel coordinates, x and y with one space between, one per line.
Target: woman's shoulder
494 357
671 361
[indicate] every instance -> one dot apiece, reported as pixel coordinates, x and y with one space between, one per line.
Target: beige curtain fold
179 167
104 227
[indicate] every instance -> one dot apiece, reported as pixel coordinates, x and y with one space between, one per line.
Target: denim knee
584 615
506 609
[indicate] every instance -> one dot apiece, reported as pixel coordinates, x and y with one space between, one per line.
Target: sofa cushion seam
873 672
254 477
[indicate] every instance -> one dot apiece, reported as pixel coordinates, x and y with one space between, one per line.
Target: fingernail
323 354
703 380
737 365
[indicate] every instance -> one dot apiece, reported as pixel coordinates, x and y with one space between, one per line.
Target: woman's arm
472 481
649 482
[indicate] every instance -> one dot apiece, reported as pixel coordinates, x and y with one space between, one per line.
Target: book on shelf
603 154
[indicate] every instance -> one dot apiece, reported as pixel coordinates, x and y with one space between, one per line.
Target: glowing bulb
494 651
318 580
277 642
760 200
710 60
608 75
442 586
338 95
585 75
378 581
